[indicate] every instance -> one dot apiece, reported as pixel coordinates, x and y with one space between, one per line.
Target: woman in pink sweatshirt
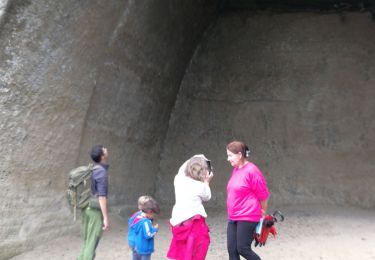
247 197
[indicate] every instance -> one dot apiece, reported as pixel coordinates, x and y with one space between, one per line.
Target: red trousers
190 240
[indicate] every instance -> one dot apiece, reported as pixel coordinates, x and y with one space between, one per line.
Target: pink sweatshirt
245 189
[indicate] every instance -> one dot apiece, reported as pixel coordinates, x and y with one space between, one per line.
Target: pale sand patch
309 232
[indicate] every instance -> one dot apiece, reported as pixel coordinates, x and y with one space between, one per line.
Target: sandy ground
309 232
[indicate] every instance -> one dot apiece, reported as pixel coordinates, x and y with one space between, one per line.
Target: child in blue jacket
141 230
131 232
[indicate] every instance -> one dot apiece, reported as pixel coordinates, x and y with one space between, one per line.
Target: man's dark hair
96 153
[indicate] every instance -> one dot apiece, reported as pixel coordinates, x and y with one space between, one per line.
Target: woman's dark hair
96 153
239 147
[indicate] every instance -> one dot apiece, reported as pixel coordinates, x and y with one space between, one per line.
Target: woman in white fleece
189 229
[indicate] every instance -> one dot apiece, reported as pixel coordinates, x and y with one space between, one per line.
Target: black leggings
239 239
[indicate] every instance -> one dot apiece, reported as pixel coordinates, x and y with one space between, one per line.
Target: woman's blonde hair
196 168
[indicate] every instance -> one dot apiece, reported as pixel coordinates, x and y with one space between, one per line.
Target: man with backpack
95 218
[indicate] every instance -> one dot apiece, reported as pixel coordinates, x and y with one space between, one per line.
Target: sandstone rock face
298 89
76 73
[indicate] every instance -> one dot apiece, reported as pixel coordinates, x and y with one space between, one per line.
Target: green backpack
79 188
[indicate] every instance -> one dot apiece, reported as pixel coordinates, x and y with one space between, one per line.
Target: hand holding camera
208 177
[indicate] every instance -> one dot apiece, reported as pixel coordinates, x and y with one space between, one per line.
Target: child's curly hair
147 204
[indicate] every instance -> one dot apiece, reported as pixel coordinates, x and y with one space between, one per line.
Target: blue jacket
131 229
144 234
